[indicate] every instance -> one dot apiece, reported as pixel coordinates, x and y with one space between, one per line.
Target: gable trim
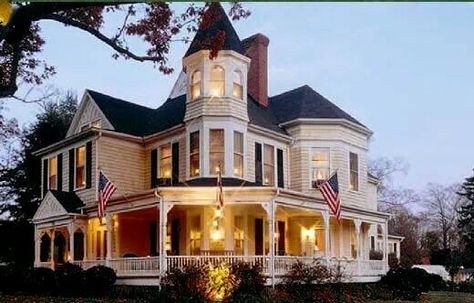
49 207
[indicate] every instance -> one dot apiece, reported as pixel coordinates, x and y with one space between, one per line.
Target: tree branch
110 42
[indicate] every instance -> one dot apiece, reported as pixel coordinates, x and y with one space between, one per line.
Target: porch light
218 213
196 171
277 235
167 173
216 234
308 234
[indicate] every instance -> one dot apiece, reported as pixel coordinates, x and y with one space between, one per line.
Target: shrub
376 255
392 260
100 279
408 284
41 280
69 279
12 278
249 279
187 285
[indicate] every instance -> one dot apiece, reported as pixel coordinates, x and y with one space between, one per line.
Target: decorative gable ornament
49 207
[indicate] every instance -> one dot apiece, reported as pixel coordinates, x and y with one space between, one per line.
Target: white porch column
357 224
70 230
108 223
37 246
326 220
53 234
270 210
164 209
385 246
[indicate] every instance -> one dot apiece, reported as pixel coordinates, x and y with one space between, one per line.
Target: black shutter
45 176
88 164
154 167
258 163
175 163
60 172
71 168
280 178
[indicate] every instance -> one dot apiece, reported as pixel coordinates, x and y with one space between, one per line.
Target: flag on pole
330 191
106 190
220 191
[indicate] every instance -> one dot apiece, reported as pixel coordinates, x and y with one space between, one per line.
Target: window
238 154
395 248
354 171
80 167
196 85
268 165
53 173
165 169
320 166
216 151
194 154
238 88
217 81
372 243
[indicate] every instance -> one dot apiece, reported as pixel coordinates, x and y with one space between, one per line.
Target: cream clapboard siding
216 107
88 112
340 141
123 163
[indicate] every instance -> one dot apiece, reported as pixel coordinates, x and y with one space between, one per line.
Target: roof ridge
290 91
120 100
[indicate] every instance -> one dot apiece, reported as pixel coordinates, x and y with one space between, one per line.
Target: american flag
330 191
106 190
220 192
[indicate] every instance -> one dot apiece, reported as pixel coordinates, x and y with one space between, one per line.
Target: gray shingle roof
304 102
69 200
204 36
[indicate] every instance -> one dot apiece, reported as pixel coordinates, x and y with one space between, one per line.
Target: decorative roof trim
323 121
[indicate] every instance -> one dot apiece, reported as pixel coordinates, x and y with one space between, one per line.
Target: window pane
238 143
269 173
216 160
238 154
194 154
165 161
268 154
320 165
216 150
354 171
237 90
80 167
52 172
269 165
237 77
238 165
196 85
217 82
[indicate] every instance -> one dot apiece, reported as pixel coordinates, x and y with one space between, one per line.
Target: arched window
238 88
196 85
217 81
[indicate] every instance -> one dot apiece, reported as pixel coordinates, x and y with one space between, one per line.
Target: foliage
393 261
408 284
375 255
41 280
70 279
466 220
99 279
249 279
12 278
404 223
17 242
220 281
186 285
155 24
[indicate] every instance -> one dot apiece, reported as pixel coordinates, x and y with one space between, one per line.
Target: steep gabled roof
206 33
305 103
262 116
69 200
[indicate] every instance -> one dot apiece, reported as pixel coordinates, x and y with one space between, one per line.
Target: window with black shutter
154 168
88 164
175 163
45 176
60 172
280 176
71 168
258 163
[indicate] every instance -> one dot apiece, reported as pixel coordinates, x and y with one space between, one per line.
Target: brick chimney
256 48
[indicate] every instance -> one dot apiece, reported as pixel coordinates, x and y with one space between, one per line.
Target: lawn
447 297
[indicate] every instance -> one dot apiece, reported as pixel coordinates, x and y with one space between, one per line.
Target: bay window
196 85
216 151
319 166
80 167
194 154
268 165
53 173
165 169
354 171
217 82
238 88
238 154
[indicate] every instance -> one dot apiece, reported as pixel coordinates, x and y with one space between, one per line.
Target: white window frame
76 151
191 86
328 148
234 153
223 171
159 159
350 172
274 164
216 66
238 73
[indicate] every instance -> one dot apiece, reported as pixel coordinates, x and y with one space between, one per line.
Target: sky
406 70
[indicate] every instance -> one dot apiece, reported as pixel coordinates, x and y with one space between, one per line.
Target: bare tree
440 207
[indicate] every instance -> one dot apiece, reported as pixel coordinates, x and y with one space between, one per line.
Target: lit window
80 167
165 161
216 151
354 171
238 154
194 154
217 81
319 166
52 172
268 165
196 85
238 88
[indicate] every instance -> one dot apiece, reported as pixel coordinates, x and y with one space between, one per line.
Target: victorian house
272 153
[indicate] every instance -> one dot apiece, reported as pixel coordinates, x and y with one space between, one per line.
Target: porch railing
86 264
179 262
139 266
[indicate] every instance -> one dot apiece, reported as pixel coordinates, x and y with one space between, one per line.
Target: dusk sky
405 70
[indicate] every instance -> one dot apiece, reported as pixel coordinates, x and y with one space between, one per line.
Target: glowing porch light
216 235
308 234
